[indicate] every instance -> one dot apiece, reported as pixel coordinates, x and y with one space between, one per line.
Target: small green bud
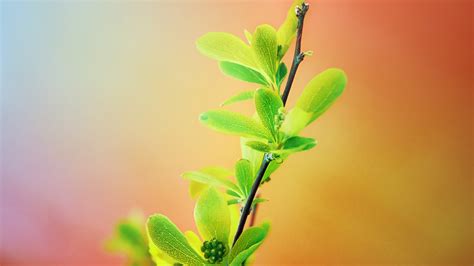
214 250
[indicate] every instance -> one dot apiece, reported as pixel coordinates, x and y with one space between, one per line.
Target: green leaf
244 175
264 45
158 256
255 157
295 121
196 188
241 72
267 104
193 240
281 74
242 96
131 234
287 31
167 237
258 201
234 221
259 146
223 46
212 216
273 166
297 143
129 239
217 171
214 180
321 92
234 201
248 36
233 193
247 243
234 123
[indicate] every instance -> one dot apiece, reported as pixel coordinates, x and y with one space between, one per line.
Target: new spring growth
266 142
213 250
279 118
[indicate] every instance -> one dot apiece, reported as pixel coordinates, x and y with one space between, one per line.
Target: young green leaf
223 46
167 237
274 165
295 121
234 123
242 73
281 74
287 31
264 45
196 188
234 222
259 146
255 157
242 96
258 201
233 193
193 240
131 234
248 36
267 104
129 239
217 171
247 243
234 201
244 175
297 143
212 216
209 179
321 92
158 256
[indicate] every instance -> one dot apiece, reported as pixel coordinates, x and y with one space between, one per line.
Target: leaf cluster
214 219
273 130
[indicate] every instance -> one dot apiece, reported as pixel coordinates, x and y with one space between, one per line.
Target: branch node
300 57
301 11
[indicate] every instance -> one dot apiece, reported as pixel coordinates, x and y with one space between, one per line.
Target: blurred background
100 105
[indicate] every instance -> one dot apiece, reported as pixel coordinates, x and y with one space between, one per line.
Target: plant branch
298 55
268 157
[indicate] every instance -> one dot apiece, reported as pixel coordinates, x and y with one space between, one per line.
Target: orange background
99 115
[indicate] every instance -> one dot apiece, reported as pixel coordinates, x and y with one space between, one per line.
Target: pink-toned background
99 116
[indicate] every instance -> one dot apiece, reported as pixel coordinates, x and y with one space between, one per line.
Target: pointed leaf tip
203 117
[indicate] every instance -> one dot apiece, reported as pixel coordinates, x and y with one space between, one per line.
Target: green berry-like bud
214 250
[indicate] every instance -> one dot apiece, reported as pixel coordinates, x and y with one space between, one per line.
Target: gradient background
99 115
